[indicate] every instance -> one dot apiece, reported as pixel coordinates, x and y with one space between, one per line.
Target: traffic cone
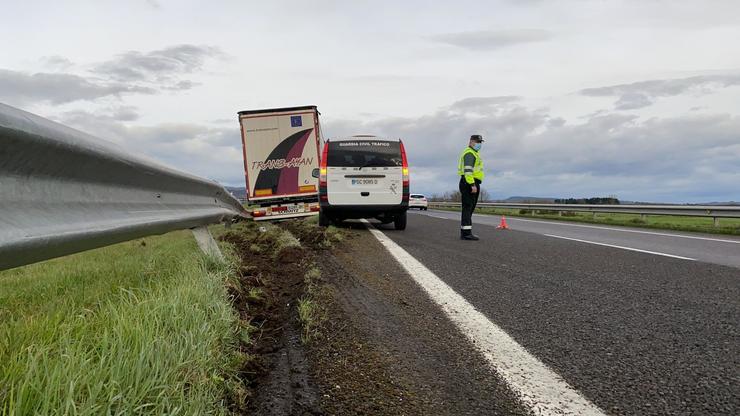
502 225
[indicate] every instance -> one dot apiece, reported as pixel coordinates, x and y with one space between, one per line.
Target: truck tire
324 220
400 221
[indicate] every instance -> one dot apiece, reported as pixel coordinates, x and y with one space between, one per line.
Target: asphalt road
710 248
634 332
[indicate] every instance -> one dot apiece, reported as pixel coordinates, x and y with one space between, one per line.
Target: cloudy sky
576 98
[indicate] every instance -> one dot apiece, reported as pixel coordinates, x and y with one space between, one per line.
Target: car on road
418 201
364 177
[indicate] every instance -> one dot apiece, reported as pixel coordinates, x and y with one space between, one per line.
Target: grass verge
142 327
729 226
311 311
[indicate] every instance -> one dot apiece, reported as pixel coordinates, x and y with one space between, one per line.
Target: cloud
56 63
484 104
164 65
632 101
114 114
58 88
130 73
644 93
124 113
690 158
199 149
492 39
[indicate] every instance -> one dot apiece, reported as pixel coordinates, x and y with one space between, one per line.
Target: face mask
477 147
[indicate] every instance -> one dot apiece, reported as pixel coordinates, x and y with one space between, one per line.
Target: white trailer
281 161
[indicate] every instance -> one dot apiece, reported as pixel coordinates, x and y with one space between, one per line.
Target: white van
364 177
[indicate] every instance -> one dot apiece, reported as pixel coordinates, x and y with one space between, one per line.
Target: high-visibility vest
473 172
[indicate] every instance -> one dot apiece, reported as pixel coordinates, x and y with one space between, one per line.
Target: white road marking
538 387
435 216
622 247
719 240
567 224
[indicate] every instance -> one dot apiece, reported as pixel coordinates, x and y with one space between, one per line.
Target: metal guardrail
63 191
713 211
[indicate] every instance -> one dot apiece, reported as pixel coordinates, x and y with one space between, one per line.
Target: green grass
667 222
309 314
125 329
310 311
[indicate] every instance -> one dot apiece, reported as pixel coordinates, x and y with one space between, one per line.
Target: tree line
590 201
454 196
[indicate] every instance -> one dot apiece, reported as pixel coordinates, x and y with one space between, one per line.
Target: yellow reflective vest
470 166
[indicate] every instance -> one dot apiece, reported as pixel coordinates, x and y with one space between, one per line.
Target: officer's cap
477 138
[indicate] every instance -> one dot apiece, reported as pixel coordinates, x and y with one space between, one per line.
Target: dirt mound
315 237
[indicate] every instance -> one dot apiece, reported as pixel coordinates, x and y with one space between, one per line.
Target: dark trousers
469 201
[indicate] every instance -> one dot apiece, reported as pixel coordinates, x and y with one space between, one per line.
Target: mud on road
376 344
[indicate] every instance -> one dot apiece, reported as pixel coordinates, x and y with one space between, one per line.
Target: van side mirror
315 172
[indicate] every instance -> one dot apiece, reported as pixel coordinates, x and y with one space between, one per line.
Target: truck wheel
324 220
400 221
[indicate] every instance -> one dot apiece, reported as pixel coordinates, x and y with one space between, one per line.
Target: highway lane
635 333
710 248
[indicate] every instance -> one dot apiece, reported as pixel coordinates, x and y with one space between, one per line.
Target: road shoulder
383 323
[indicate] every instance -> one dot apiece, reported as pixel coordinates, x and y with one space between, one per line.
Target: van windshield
364 153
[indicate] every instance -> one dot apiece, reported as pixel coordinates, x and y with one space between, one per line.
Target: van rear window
364 153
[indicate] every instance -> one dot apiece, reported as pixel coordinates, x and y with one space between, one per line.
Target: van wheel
400 221
324 220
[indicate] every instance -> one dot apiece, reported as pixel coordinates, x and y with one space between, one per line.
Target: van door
364 172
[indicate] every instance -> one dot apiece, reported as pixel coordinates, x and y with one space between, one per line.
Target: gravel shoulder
420 363
375 345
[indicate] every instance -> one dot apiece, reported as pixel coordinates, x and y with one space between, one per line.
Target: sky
576 98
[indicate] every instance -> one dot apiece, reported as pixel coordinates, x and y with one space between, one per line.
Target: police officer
470 169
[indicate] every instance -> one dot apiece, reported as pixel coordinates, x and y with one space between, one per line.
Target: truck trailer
281 161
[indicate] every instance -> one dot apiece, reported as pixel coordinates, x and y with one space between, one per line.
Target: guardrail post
716 221
593 215
643 217
206 242
560 213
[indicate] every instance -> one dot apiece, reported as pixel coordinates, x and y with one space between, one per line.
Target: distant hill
546 200
528 199
733 203
727 203
239 192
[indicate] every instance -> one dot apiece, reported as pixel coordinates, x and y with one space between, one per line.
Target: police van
364 177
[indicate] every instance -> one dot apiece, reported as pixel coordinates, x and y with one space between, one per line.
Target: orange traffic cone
502 225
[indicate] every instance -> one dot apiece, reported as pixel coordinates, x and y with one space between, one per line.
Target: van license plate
364 181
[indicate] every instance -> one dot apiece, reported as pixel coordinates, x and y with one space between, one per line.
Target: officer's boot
468 235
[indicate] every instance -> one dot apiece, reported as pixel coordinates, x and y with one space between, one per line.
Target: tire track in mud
430 365
277 375
381 346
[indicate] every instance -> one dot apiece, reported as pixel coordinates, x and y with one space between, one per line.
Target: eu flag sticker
296 121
